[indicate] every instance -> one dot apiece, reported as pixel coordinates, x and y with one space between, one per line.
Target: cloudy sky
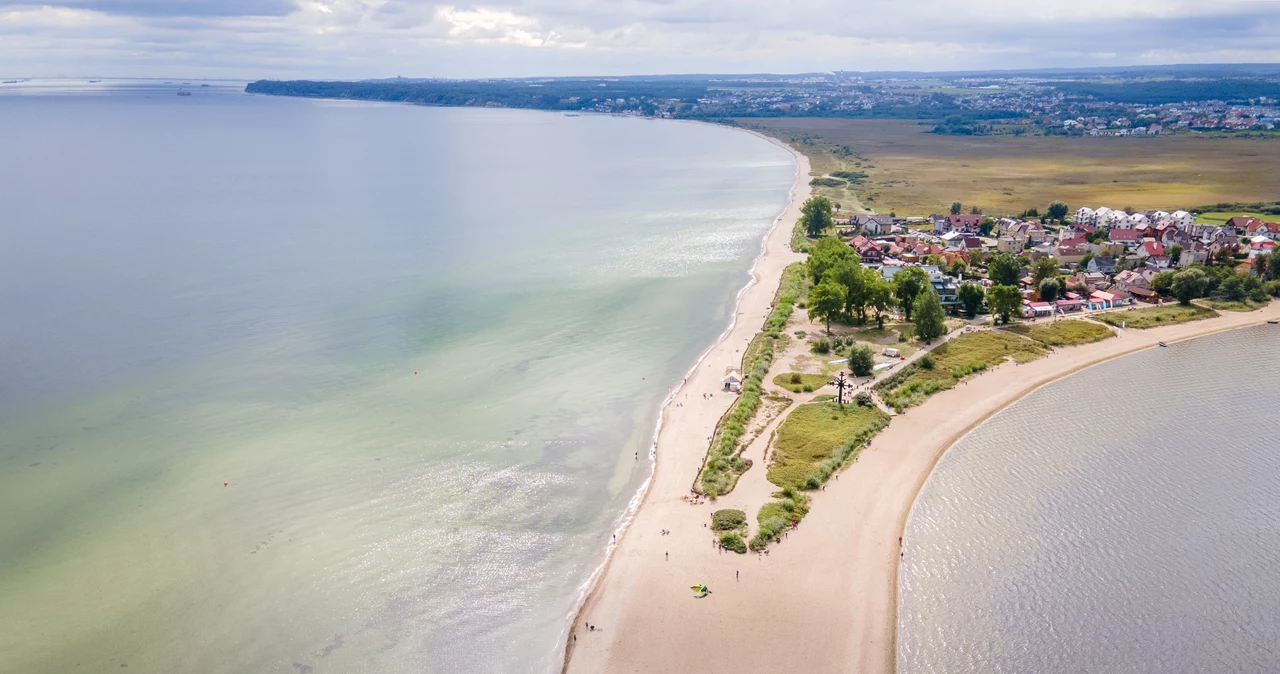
493 38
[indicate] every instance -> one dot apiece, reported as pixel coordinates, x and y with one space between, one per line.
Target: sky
347 39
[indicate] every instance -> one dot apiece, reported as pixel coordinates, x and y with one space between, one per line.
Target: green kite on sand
699 591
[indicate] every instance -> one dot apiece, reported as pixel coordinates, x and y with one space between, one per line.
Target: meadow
912 172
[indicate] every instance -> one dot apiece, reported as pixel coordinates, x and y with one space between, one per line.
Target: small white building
733 379
1182 219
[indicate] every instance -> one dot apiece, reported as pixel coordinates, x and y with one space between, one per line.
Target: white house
1137 220
733 379
1182 219
1102 217
1084 216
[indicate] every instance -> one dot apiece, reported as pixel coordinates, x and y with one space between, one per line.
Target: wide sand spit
826 600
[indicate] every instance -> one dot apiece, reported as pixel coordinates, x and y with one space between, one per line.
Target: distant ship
94 81
184 93
204 85
9 82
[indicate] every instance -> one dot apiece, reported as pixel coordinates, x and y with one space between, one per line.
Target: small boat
9 82
1164 345
184 93
94 81
1273 322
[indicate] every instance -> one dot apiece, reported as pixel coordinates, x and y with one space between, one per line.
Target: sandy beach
824 601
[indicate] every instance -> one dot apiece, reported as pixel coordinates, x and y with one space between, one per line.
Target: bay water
421 347
1124 519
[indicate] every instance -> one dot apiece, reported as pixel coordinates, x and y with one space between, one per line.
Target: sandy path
825 601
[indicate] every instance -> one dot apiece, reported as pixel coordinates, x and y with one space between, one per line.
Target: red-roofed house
1128 237
1260 228
1150 248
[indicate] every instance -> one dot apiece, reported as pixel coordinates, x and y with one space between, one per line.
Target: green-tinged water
421 347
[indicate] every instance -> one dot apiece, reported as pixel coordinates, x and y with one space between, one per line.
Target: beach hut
733 379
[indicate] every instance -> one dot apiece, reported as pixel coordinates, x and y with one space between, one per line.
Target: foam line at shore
628 514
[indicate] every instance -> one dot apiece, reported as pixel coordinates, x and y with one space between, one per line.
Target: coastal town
883 339
1101 258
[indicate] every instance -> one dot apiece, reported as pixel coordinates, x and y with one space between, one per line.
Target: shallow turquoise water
420 345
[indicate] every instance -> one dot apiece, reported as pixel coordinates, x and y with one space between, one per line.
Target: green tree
851 275
1005 269
1260 265
1084 261
956 207
1188 285
931 322
986 226
958 267
1233 288
1044 268
1057 210
826 300
861 360
908 283
970 296
879 297
1175 252
1162 282
1273 266
826 254
816 216
1004 301
935 260
1050 289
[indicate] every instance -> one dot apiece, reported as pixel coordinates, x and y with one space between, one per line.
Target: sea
307 386
1124 519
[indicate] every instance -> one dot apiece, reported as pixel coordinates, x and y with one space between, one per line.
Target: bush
822 345
812 483
927 362
861 361
734 542
1272 288
796 378
863 399
727 519
801 334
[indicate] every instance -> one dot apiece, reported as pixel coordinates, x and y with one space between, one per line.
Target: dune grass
952 362
1063 332
724 464
797 382
1154 317
816 439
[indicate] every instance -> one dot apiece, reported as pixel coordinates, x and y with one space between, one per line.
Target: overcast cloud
423 38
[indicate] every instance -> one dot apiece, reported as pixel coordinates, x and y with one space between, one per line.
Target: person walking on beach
736 574
667 555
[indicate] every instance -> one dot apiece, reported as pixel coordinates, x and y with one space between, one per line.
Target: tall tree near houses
1005 269
827 253
1004 301
930 320
816 216
826 300
908 283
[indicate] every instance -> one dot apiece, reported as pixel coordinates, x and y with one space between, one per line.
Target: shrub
861 361
822 345
734 542
863 399
812 483
807 388
1272 288
801 334
727 519
927 362
796 378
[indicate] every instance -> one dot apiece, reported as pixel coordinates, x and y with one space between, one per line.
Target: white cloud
373 38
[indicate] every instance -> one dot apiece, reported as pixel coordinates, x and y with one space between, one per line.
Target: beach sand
824 600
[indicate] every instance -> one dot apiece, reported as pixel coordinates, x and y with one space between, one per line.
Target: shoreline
799 192
837 584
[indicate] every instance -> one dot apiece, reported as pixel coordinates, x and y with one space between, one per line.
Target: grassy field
797 382
1242 306
952 362
1221 217
809 443
1063 333
1154 317
911 172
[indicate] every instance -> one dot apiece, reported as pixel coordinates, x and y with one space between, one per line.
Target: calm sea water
1125 519
420 345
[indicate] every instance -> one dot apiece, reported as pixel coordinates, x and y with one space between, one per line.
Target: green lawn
952 362
1063 332
1154 317
797 382
817 438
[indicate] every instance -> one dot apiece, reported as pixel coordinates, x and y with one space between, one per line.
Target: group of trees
1216 281
844 288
